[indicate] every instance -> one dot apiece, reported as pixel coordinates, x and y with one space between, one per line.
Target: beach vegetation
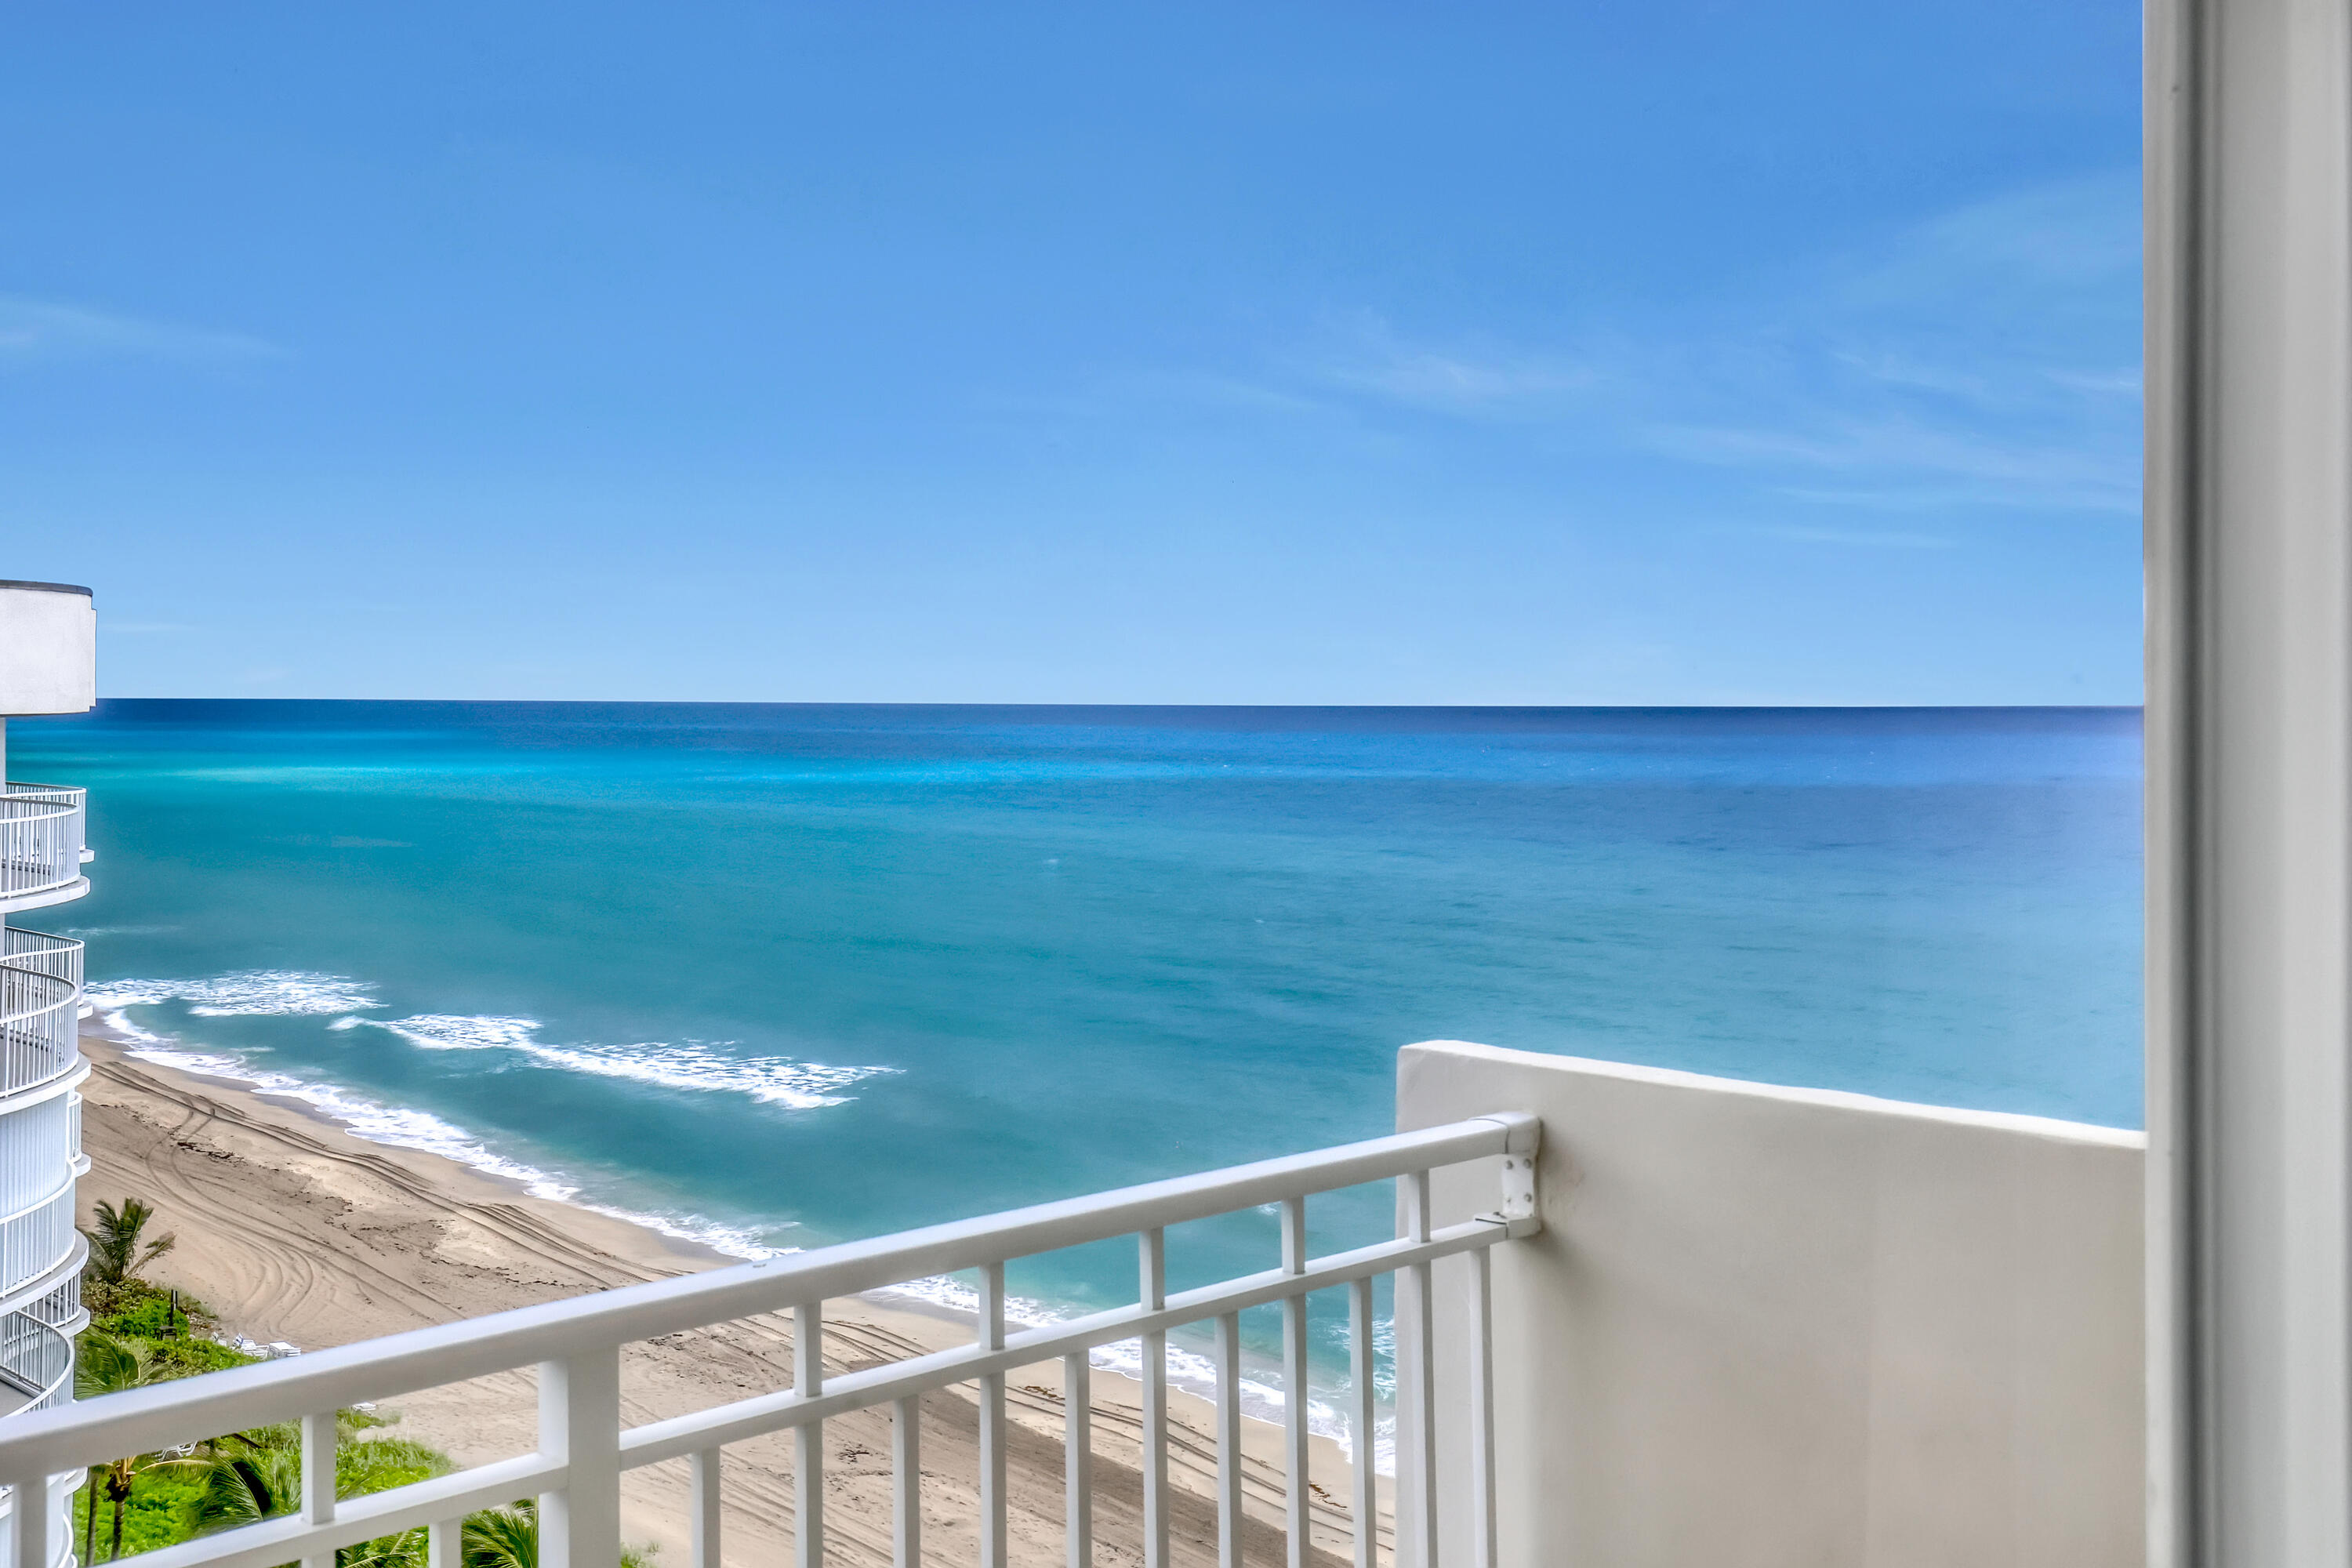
249 1477
258 1475
173 1327
508 1538
119 1248
161 1499
136 1309
243 1478
104 1365
141 1334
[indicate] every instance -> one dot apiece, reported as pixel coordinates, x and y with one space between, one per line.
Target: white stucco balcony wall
1772 1326
49 649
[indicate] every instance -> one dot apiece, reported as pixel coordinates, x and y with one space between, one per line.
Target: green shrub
135 1309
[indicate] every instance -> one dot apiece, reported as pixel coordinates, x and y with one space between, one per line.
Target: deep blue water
807 972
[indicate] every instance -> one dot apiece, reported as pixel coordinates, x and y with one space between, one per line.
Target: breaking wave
247 993
693 1066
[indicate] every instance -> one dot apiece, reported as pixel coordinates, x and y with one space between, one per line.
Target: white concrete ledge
1774 1326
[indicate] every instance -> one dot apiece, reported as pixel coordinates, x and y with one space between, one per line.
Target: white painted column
2249 782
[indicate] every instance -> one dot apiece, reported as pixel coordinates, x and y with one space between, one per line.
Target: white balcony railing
38 1237
41 833
58 957
38 1016
36 1364
584 1448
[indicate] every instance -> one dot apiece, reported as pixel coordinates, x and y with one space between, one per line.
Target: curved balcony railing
36 1364
60 957
37 1239
40 838
38 1138
61 1307
38 1016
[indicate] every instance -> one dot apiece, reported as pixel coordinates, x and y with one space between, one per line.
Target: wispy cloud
1469 379
1864 539
2112 383
1977 359
36 331
1917 463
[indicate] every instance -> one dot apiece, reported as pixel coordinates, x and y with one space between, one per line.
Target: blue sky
1574 353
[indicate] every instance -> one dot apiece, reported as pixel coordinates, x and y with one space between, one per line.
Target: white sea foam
253 992
249 993
694 1066
402 1128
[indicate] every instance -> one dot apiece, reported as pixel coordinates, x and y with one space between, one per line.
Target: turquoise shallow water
778 976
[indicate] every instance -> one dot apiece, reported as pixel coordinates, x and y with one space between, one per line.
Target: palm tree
247 1483
253 1476
102 1365
508 1538
501 1537
116 1252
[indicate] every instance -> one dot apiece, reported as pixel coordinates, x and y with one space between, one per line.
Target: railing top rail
49 1335
41 800
23 939
65 1065
22 786
149 1418
48 993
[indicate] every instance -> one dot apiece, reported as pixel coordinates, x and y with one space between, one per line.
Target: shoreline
293 1228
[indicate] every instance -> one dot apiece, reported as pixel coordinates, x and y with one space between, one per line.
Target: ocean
772 976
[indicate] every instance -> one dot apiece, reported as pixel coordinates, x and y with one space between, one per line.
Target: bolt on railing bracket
1520 1147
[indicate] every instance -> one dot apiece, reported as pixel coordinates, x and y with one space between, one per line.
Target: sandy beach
291 1228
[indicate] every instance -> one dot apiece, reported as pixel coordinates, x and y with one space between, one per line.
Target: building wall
48 649
1767 1326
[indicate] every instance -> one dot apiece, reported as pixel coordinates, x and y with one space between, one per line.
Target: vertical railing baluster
1417 1349
703 1542
907 1481
1294 1450
28 1521
580 1428
1152 1245
319 1480
808 1438
1229 1440
1363 1422
1481 1408
1078 1459
993 1539
445 1544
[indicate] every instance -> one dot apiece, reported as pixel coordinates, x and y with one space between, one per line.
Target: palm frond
117 1251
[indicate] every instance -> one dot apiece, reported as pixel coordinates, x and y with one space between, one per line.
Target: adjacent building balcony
40 1112
35 1363
40 1004
42 846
